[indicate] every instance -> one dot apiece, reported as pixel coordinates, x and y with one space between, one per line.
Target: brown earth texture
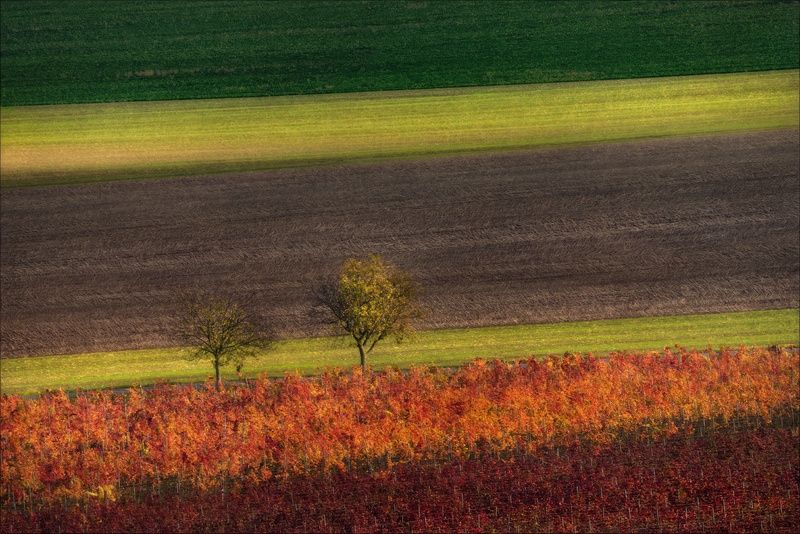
697 224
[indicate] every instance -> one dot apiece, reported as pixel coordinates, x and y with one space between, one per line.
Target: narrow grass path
438 347
98 142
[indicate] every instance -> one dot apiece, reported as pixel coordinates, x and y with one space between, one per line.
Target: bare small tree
220 330
370 300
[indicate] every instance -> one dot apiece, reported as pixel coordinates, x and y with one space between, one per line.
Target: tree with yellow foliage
370 300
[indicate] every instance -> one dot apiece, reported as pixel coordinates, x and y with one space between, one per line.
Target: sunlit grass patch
433 347
97 142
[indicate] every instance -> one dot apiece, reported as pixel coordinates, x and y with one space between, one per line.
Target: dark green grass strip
98 51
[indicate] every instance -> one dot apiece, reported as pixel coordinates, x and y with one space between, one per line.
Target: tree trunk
363 356
218 381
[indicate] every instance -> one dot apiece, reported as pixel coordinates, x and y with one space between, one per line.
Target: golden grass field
96 142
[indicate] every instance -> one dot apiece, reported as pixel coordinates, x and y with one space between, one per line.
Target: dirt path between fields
651 227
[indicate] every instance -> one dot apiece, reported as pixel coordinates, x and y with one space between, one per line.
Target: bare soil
655 227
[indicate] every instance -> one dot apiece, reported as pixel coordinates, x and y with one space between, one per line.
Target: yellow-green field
440 347
95 142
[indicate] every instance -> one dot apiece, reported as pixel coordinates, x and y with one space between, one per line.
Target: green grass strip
433 347
97 142
69 51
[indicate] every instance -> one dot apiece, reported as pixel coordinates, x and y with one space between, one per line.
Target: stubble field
696 224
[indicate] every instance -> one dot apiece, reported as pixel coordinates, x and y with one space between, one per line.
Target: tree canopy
219 329
370 300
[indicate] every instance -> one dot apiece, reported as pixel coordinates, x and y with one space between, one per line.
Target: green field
90 51
95 142
439 347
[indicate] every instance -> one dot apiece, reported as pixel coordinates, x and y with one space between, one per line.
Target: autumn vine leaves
729 479
57 448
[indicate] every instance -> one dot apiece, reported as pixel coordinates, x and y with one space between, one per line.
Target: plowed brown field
615 230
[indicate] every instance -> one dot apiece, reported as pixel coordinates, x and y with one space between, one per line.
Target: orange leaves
740 480
53 445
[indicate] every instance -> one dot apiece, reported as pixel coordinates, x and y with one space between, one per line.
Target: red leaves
195 440
728 480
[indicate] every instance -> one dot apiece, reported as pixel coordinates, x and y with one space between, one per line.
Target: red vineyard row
745 481
57 449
